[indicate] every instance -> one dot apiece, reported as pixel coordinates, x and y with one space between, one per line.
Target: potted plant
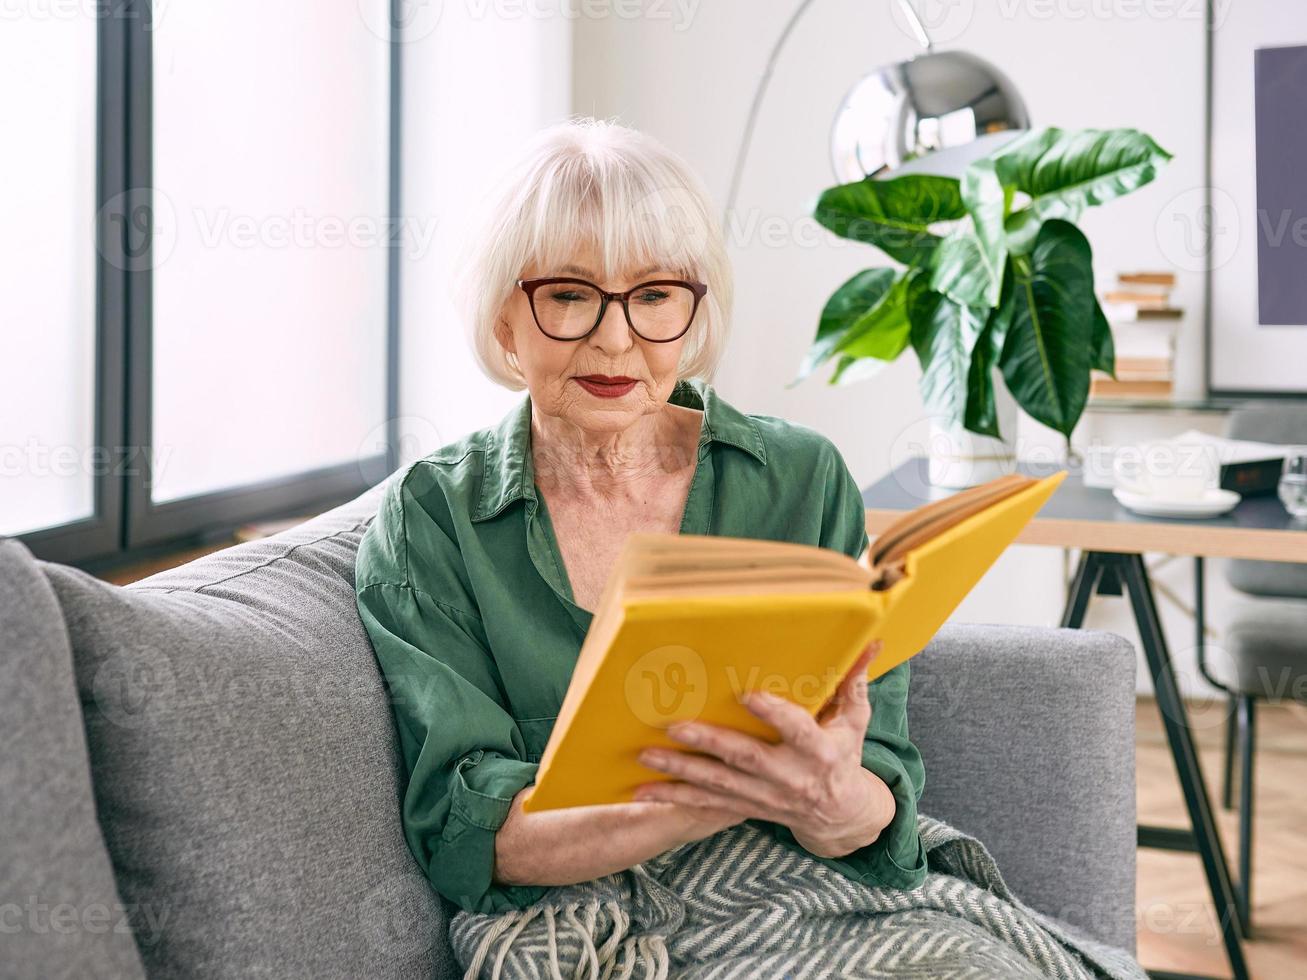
994 291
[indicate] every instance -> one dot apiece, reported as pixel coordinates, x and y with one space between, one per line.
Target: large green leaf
867 308
883 331
1104 356
943 335
1065 172
958 270
968 264
849 370
1050 327
982 413
894 215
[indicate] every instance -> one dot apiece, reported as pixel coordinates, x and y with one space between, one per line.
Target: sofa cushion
245 761
60 911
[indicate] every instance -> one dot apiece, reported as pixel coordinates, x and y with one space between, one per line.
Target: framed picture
1256 209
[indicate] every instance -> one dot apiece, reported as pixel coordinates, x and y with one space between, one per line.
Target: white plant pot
959 458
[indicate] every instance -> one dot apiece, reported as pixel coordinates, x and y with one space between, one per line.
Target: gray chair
201 770
1266 636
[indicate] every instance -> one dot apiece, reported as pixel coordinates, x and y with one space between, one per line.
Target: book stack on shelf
1144 325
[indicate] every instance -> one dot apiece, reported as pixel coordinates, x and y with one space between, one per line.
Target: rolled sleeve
897 858
466 852
463 753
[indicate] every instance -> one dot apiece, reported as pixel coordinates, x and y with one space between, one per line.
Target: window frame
126 524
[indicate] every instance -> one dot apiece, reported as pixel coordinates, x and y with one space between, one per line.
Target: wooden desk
1111 541
1083 517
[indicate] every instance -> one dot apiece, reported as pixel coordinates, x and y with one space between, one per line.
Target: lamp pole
914 21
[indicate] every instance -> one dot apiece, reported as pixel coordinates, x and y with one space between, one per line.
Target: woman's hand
560 847
812 781
693 822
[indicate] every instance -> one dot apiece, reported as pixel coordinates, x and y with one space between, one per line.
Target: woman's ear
504 334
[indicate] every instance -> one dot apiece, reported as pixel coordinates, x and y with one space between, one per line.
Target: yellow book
688 623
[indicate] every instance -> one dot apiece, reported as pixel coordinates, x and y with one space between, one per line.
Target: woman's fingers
795 726
857 675
713 776
849 702
699 797
737 750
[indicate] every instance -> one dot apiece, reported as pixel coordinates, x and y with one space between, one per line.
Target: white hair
584 182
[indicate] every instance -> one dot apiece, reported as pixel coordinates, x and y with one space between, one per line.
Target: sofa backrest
1028 739
60 911
246 770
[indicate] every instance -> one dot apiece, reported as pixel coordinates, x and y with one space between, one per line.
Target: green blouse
462 589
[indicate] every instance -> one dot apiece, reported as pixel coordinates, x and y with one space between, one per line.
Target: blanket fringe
597 963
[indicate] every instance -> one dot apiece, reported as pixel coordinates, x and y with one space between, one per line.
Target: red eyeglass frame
529 286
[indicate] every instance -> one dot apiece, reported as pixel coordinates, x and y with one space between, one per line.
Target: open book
688 623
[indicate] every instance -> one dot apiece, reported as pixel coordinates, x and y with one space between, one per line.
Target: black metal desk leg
1083 587
1246 726
1133 574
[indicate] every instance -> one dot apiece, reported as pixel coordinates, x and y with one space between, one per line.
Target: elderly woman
601 286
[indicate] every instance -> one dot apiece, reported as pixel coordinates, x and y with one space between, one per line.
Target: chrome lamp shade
933 114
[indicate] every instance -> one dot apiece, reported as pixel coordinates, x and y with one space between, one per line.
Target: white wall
477 82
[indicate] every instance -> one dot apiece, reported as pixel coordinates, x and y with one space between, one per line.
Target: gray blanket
741 904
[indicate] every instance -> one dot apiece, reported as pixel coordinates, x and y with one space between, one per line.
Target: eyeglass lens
570 309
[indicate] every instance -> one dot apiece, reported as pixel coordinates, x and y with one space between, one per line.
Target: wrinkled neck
578 461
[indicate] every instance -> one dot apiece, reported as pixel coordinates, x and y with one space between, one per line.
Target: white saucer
1211 504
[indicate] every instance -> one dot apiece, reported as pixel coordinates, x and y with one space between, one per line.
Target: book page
920 525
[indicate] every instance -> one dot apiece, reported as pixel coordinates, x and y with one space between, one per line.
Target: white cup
1167 470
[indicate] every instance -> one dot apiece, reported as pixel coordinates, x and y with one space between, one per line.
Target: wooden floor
1177 927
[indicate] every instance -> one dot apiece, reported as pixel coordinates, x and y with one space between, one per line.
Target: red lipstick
606 386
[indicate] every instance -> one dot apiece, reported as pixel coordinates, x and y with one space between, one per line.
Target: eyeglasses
660 310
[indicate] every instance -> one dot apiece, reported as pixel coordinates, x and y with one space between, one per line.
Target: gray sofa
199 774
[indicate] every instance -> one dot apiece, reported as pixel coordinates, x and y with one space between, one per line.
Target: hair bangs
632 224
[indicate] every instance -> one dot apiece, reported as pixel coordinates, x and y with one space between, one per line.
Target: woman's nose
613 333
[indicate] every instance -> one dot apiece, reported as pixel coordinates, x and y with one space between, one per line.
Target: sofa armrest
1027 734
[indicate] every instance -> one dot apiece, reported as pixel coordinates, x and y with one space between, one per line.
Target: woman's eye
651 296
568 297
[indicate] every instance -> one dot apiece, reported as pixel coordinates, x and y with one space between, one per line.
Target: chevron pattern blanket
740 904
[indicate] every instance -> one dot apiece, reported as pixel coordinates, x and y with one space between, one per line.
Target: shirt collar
508 474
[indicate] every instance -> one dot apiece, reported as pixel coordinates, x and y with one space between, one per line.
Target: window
197 303
47 271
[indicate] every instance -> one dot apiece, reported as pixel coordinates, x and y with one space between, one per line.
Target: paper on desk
1233 450
1098 459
